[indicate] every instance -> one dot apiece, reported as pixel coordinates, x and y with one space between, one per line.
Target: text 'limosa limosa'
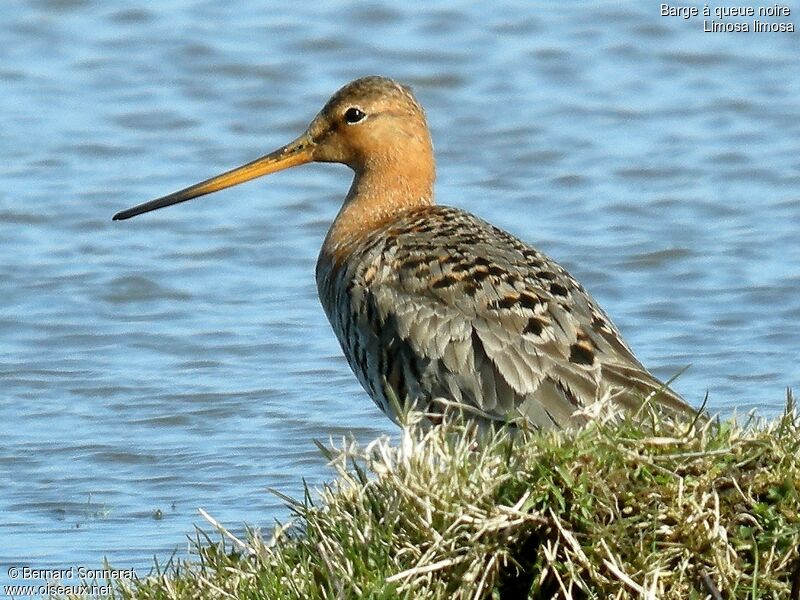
434 307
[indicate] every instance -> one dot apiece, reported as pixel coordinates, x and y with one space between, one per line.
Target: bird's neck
381 191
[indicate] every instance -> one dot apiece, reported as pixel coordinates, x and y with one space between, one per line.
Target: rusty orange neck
383 188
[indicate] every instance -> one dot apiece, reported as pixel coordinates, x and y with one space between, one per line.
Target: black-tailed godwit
434 307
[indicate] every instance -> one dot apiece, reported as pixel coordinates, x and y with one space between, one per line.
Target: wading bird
434 307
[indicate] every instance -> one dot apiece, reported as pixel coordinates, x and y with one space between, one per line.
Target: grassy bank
663 510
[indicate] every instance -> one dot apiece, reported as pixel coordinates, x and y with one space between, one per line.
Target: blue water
181 359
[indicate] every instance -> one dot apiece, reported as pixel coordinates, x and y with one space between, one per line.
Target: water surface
181 360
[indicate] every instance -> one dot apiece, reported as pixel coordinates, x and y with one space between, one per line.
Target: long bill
298 152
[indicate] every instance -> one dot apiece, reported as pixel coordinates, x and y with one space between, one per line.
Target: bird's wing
499 326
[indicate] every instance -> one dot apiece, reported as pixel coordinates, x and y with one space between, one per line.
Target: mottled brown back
442 307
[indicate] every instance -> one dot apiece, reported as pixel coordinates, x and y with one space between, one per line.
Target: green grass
659 509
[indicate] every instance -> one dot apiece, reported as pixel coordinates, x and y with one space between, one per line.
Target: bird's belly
383 374
386 367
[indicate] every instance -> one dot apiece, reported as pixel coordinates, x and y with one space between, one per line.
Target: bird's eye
354 115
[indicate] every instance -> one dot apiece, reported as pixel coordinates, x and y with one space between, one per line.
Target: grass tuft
653 509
